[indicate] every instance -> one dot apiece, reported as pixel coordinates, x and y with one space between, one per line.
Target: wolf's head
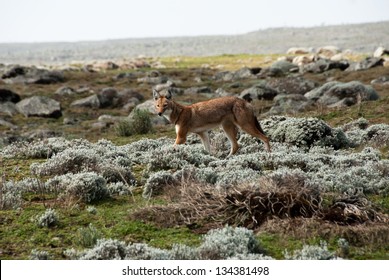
162 102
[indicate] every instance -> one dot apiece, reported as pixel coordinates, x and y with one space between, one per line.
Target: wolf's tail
258 126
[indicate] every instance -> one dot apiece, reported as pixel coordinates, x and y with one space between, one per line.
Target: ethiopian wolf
227 112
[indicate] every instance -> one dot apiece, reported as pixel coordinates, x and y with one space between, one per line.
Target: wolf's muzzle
159 114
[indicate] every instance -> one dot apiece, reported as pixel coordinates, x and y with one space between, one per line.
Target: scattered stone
380 51
70 121
88 102
367 63
31 75
299 50
196 90
384 80
328 51
147 106
260 91
243 73
285 66
7 124
291 85
333 92
222 92
39 106
65 90
303 59
8 108
323 65
108 97
7 95
289 104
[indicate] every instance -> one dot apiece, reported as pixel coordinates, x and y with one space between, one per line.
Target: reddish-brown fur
227 112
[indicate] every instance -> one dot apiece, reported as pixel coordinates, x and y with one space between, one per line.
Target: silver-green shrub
39 255
311 252
48 219
141 251
157 182
86 187
105 249
10 195
228 242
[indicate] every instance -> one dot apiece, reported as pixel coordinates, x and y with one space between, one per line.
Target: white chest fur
167 114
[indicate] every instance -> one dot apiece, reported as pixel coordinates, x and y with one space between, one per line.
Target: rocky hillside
362 38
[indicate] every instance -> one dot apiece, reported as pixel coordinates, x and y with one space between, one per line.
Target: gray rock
367 63
147 106
7 95
88 102
285 66
32 75
322 65
223 92
291 85
195 90
383 80
7 124
243 73
260 91
65 90
380 51
8 108
39 106
328 51
108 97
333 92
289 104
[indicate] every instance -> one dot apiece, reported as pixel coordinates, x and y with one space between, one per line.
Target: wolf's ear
156 94
169 94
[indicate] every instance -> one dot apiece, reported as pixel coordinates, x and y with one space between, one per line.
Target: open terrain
75 176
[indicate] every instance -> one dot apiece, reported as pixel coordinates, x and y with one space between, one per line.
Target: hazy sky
79 20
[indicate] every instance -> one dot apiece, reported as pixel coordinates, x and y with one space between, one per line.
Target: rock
383 80
322 65
303 59
367 63
131 104
127 95
260 91
70 121
291 85
243 73
8 108
7 95
147 106
345 102
7 124
153 80
285 66
196 90
128 76
328 51
65 91
299 50
270 72
289 104
39 106
108 97
380 51
222 92
166 85
108 119
32 75
88 102
333 92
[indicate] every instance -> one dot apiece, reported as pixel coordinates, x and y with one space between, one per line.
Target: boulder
328 51
7 95
383 80
303 59
7 124
299 50
367 63
323 65
333 92
8 108
148 105
380 51
289 104
291 85
39 106
195 90
285 66
108 97
65 90
259 91
32 75
243 73
88 102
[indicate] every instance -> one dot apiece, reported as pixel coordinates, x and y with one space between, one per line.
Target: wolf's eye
158 105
